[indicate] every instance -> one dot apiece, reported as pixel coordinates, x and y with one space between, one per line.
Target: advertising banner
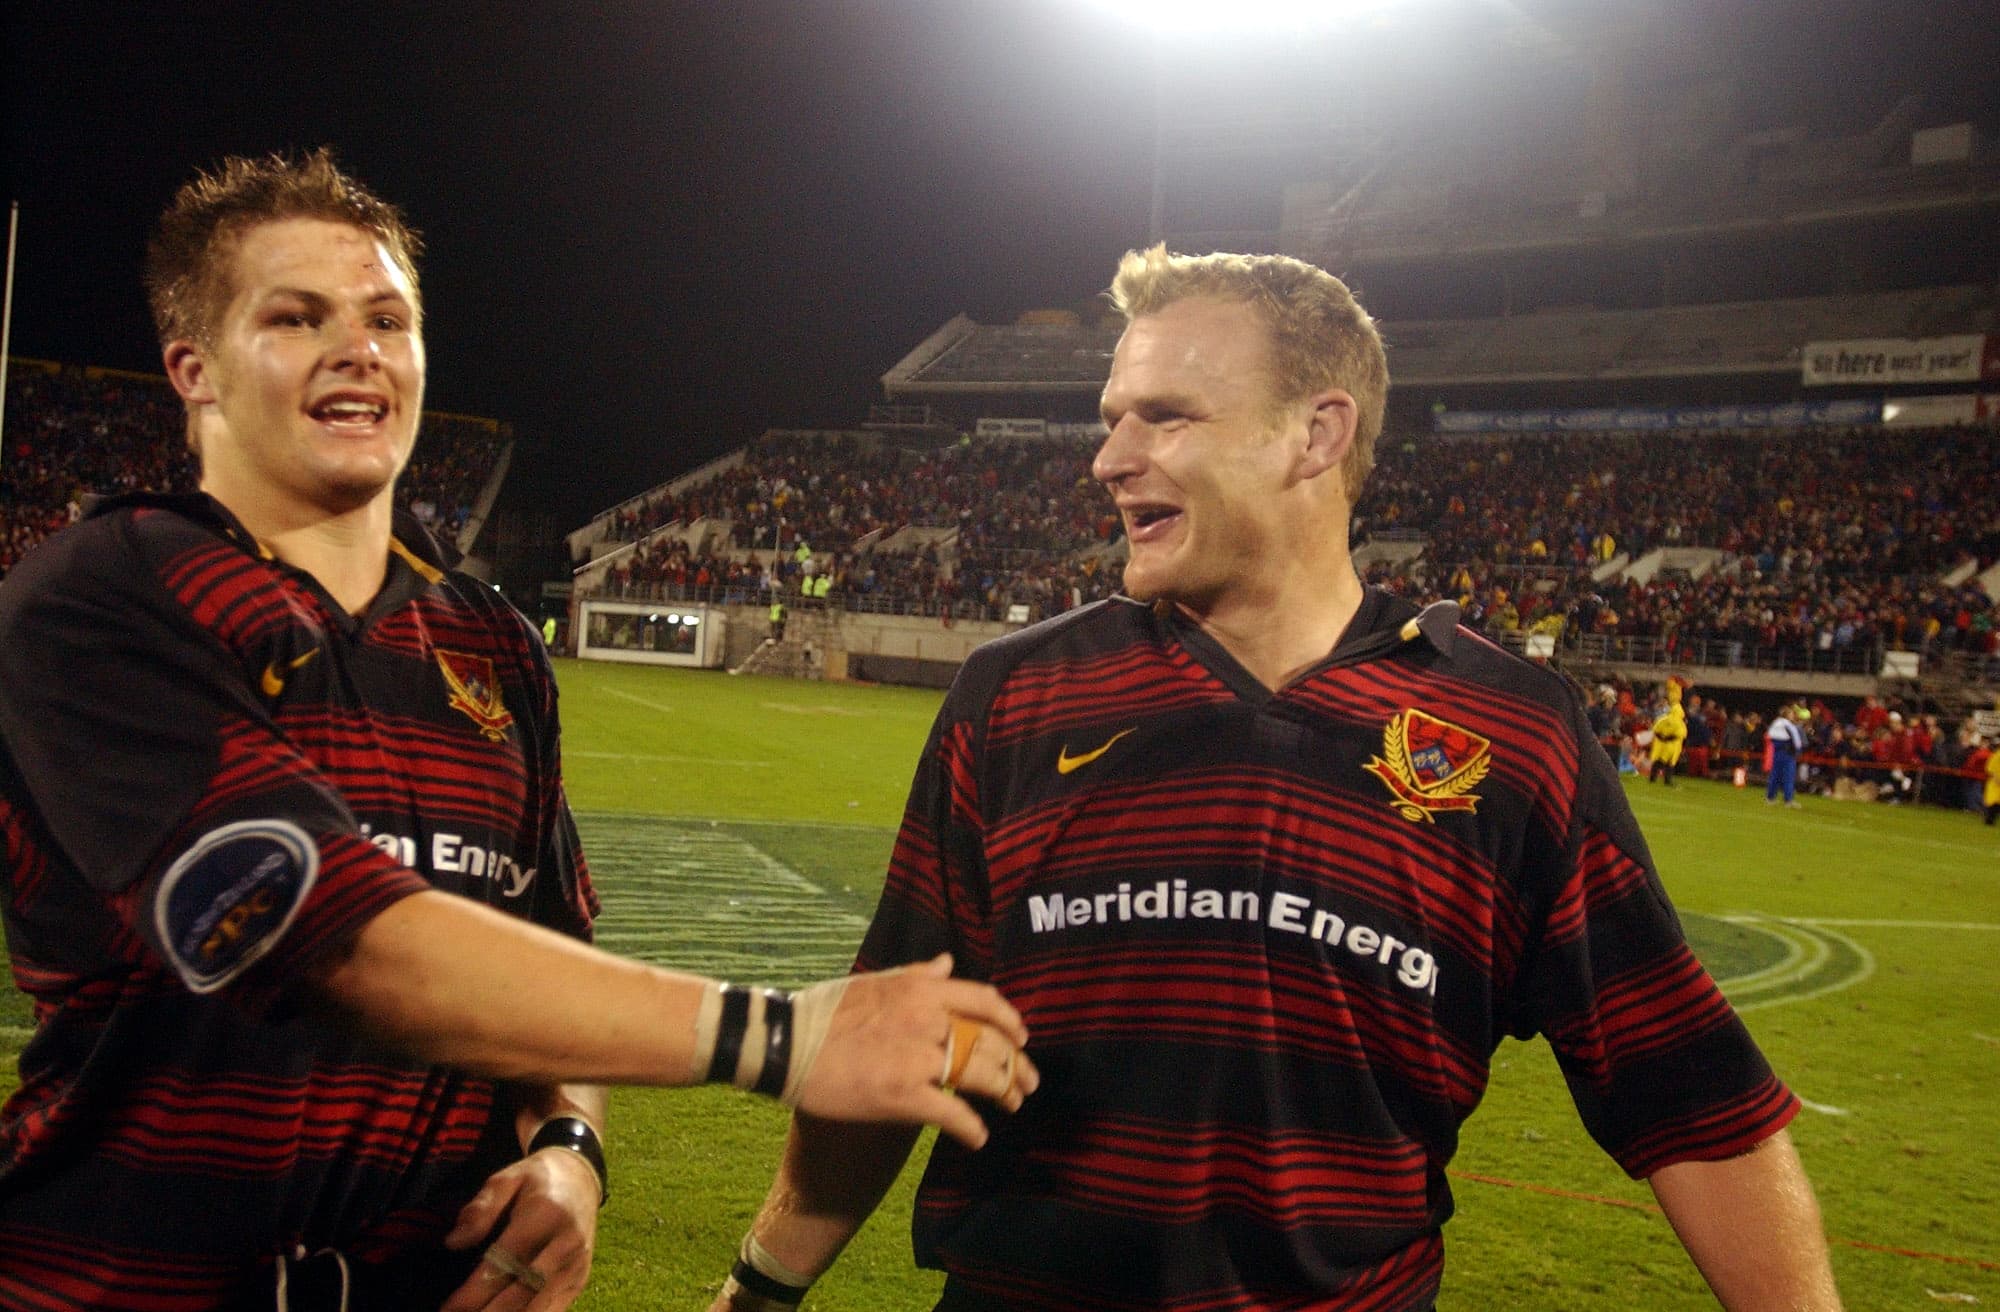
1965 358
1644 419
1013 428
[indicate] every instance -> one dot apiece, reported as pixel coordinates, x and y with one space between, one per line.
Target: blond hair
1320 336
190 257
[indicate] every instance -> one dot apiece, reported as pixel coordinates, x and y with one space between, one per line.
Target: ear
187 370
1330 429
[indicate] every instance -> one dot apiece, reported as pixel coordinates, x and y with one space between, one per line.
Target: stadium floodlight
1168 16
673 619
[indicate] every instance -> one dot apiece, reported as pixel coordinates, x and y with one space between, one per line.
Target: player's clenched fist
897 1046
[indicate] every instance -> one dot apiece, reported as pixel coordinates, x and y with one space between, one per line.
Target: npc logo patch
475 692
1430 765
230 898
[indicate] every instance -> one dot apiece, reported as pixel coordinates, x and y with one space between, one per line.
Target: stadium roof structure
1739 338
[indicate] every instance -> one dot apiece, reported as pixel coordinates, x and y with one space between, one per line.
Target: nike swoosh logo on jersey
1066 763
276 672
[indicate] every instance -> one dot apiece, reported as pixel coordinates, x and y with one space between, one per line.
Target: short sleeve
1659 1064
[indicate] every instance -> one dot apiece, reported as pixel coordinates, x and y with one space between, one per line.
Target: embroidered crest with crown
1430 765
476 692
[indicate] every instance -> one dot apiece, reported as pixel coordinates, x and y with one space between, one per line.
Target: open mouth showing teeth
350 412
1146 516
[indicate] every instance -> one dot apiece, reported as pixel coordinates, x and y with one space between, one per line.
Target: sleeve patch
230 898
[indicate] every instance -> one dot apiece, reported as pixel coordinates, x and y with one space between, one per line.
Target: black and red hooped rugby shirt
1267 944
209 775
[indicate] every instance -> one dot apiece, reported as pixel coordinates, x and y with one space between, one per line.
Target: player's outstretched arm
1752 1226
831 1180
833 1176
463 985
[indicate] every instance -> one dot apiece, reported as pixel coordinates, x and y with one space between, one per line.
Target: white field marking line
714 902
811 710
1823 1108
16 1033
1811 821
717 822
668 756
643 701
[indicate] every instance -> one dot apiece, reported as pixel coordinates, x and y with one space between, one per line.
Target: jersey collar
1384 625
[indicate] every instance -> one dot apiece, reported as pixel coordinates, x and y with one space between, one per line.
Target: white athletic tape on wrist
812 1018
762 1039
759 1282
761 1258
707 1020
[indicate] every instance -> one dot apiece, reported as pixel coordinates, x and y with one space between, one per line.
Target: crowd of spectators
833 490
1832 545
1879 749
1024 522
73 433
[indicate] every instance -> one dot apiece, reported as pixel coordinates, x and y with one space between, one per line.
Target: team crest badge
476 692
1430 766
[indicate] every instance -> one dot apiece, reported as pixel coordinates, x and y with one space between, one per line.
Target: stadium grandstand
1677 391
74 432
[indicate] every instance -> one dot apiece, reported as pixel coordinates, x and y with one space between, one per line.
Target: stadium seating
73 432
1809 551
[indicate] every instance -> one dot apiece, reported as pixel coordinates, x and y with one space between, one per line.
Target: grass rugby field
739 826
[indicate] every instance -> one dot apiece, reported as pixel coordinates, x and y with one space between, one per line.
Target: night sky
655 229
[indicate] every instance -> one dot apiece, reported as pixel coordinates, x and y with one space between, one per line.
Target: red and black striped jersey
210 776
1267 943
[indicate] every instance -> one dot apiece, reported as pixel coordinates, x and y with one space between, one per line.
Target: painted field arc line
1811 954
1861 975
1795 952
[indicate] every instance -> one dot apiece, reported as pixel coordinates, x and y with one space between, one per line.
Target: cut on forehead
290 253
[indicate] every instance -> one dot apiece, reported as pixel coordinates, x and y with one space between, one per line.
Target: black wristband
574 1134
778 1043
729 1032
764 1286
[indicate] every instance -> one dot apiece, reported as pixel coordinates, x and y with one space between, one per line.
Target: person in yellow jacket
1992 798
1669 732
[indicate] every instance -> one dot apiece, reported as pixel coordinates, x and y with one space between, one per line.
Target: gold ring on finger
514 1268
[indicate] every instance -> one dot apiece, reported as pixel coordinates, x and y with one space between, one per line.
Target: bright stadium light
1242 15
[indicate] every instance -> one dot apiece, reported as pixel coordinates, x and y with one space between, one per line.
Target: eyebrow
1176 402
319 300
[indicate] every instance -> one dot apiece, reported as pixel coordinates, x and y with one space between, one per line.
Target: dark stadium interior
1643 211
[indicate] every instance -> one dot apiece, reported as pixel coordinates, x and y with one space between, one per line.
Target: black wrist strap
729 1034
764 1286
778 1043
574 1134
